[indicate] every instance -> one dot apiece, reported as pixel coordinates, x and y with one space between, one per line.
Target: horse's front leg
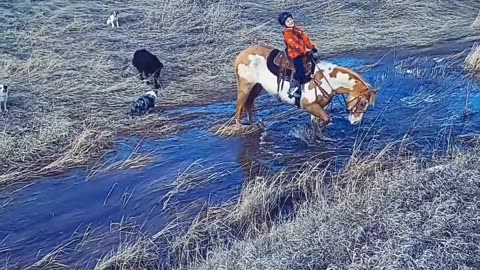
325 121
317 114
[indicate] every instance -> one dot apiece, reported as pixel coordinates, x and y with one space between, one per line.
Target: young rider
298 45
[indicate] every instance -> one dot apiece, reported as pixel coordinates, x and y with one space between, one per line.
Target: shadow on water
423 98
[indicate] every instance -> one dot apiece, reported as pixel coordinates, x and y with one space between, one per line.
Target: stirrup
294 87
293 92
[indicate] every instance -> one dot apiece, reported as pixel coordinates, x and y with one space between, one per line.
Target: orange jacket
297 42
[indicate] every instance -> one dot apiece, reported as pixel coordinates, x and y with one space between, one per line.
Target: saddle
282 66
286 64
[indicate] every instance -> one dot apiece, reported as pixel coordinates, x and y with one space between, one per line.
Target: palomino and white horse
257 68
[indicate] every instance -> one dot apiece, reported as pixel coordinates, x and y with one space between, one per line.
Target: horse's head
360 93
345 81
358 102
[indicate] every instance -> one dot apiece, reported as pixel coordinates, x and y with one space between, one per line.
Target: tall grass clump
476 22
472 61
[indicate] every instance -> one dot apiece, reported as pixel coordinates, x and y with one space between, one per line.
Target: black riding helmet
283 17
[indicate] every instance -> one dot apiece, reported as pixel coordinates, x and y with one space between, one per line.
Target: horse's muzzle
354 120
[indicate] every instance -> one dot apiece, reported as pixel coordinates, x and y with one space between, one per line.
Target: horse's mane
357 76
326 65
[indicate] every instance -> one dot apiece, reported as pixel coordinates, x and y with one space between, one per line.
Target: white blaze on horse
263 67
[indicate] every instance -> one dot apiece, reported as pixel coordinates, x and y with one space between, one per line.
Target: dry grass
59 256
381 211
195 175
476 23
140 254
254 213
229 128
260 206
40 159
472 61
401 218
65 65
134 161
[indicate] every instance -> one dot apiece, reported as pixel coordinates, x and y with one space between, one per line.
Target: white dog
3 97
113 19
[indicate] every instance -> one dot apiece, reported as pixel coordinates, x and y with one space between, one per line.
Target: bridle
357 99
345 103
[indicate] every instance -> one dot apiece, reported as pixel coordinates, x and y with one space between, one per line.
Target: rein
344 104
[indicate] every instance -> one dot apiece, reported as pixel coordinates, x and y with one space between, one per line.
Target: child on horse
298 45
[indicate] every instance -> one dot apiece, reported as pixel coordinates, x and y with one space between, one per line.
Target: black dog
147 64
144 104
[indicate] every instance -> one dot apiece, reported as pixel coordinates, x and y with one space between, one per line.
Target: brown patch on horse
242 57
337 70
352 75
304 102
371 94
247 91
360 85
323 100
249 104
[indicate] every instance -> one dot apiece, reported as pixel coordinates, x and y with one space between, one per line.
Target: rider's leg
298 77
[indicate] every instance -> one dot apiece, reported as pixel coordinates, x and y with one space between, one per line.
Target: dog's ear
5 87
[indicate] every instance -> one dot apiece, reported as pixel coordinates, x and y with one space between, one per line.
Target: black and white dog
144 104
113 19
3 97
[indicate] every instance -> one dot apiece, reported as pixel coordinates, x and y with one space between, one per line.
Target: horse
264 67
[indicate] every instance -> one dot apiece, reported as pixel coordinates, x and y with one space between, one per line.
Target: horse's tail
239 110
237 77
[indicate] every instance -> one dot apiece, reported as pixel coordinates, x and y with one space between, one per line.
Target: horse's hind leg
244 89
250 106
241 100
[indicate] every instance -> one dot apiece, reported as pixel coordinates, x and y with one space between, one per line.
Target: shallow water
423 97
